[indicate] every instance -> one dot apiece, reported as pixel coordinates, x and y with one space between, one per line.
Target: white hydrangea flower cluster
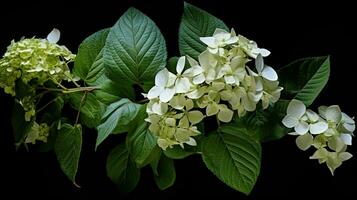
219 83
36 60
330 132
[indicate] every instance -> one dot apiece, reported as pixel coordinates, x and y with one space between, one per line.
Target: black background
290 30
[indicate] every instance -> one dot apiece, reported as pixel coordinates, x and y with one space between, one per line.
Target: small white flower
220 39
164 86
265 71
294 118
251 48
182 83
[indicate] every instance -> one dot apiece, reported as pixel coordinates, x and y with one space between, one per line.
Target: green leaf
304 79
135 50
265 125
141 144
233 156
178 153
166 173
68 149
20 127
111 92
196 23
52 112
91 108
89 64
117 117
122 170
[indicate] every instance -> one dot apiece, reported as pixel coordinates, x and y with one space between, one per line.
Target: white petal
333 113
347 118
162 143
189 104
296 108
319 154
318 127
191 142
199 79
159 108
167 94
54 36
195 116
304 142
212 109
336 144
180 64
178 102
312 116
229 79
162 77
344 156
322 111
264 52
258 84
269 73
259 63
184 123
209 41
346 138
290 121
225 115
349 127
154 92
183 85
192 61
302 128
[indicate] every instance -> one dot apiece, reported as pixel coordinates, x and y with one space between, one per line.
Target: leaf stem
80 107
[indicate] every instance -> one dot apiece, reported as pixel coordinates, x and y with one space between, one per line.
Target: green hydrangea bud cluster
330 132
34 61
220 83
38 132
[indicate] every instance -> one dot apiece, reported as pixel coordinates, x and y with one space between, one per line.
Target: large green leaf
141 144
166 173
111 92
122 170
89 64
68 149
117 117
135 50
196 23
304 79
91 109
233 156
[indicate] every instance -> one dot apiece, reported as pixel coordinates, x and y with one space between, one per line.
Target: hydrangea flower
35 60
220 39
218 84
330 132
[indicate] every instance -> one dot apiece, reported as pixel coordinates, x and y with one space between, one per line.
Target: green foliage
68 149
304 79
121 169
135 50
166 174
89 64
91 109
233 156
117 118
196 23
